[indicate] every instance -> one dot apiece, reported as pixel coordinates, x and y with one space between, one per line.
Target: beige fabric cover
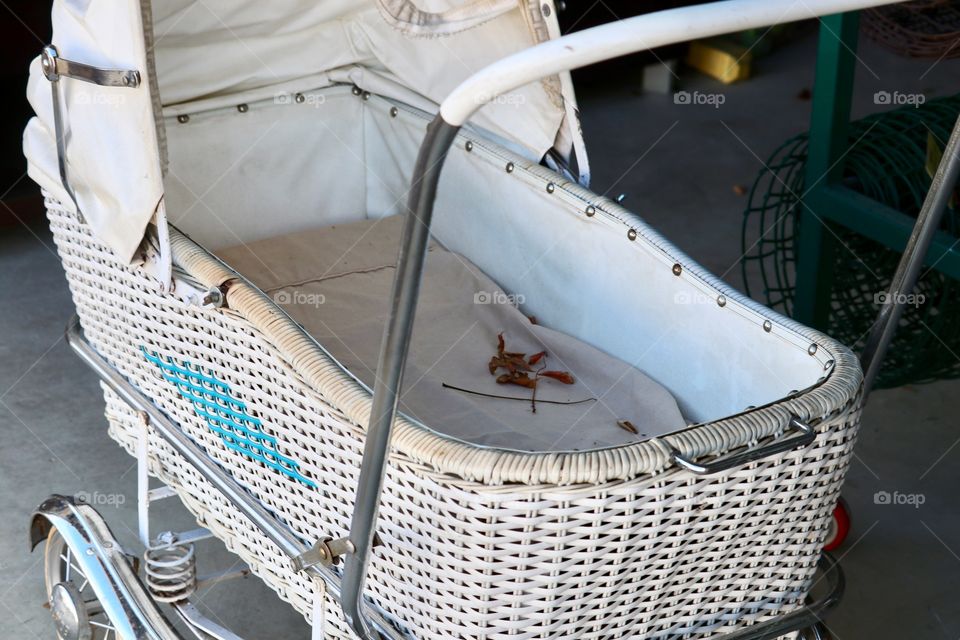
336 283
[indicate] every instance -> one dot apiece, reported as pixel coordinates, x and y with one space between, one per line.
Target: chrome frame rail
255 512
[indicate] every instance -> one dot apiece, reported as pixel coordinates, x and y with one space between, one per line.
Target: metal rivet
89 551
545 9
591 211
509 167
242 108
183 119
468 146
357 91
632 234
767 326
677 269
299 98
366 95
551 187
828 365
812 349
620 198
722 300
393 112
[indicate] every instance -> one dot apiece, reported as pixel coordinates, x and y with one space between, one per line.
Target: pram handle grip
806 435
623 37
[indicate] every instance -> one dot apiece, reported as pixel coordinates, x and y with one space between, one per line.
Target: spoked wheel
76 612
839 526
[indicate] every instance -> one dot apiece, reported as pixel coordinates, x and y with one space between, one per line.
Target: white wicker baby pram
278 450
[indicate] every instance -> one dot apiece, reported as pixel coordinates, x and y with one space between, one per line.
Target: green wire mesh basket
886 161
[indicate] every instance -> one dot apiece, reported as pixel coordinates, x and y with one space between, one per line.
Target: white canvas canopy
219 51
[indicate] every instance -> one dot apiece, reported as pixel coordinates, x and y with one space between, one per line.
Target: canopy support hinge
54 67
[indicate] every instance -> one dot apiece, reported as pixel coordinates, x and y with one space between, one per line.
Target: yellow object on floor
721 59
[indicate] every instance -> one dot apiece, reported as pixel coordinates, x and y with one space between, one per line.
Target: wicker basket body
475 543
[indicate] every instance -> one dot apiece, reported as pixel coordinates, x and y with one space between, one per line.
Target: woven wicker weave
476 543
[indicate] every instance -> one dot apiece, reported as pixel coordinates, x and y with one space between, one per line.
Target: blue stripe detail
225 415
169 366
235 425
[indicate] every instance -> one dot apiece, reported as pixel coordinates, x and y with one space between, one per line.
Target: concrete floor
678 165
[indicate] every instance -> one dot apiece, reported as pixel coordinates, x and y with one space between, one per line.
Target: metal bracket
54 67
326 552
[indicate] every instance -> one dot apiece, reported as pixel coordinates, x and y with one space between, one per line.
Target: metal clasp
325 552
54 67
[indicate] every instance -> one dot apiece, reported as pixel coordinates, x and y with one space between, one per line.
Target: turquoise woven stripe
225 415
168 366
188 390
270 455
235 404
235 425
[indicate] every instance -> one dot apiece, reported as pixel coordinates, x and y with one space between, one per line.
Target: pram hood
226 52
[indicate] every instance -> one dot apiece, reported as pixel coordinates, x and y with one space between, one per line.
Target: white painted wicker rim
836 394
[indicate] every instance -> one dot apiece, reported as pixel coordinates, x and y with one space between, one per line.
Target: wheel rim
77 611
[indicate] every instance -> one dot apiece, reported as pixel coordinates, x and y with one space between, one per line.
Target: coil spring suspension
170 569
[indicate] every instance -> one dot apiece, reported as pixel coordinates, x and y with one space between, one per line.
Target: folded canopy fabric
112 149
220 48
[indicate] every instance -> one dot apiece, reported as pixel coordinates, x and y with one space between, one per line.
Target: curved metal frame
806 436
